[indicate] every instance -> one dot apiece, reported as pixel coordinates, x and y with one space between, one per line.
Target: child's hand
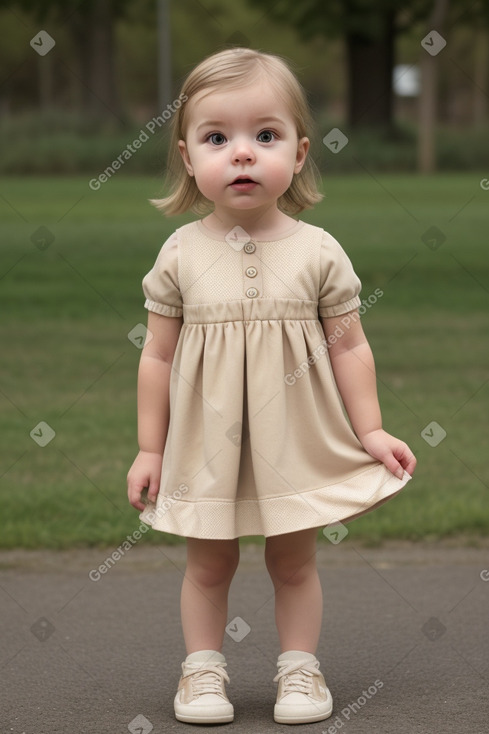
145 472
393 453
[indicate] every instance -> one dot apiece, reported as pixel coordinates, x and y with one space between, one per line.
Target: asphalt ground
404 647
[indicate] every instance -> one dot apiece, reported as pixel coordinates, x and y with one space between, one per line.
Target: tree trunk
102 82
427 98
92 29
46 82
80 34
165 94
480 77
370 64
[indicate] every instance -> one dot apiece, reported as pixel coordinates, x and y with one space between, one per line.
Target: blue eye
266 136
217 138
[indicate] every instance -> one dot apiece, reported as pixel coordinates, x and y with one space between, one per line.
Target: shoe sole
289 719
188 719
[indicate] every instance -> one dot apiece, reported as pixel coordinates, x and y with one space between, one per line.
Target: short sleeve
160 285
339 285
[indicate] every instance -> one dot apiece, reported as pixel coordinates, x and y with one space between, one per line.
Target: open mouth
243 180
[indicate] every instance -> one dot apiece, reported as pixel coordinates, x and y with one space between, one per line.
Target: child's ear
302 150
182 147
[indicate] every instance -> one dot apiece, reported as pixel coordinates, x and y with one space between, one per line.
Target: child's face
246 133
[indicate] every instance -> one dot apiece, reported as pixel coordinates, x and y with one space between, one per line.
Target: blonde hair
234 68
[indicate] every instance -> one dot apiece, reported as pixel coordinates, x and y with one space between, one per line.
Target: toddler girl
254 334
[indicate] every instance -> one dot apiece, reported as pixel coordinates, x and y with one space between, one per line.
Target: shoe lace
208 679
297 675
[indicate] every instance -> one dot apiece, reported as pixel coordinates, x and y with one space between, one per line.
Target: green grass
66 358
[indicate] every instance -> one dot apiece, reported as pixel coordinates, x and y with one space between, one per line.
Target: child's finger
393 465
407 459
135 501
134 493
409 463
153 490
399 472
391 462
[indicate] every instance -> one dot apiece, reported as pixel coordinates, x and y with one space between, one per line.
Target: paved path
404 649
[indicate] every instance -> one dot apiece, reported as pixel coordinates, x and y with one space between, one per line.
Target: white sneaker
302 695
201 697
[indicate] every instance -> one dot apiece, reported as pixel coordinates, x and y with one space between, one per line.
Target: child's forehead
258 99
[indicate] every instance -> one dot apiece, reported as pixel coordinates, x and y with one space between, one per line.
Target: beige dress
258 442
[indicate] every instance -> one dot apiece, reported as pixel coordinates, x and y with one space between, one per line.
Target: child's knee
285 569
213 569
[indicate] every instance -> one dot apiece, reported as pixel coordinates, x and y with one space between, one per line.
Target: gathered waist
259 309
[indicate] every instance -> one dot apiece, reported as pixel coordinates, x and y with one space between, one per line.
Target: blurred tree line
104 65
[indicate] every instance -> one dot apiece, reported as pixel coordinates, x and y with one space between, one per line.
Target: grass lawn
67 307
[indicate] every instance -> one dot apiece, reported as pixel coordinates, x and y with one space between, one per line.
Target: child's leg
291 563
211 565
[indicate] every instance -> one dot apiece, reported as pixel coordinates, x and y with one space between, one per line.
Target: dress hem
329 505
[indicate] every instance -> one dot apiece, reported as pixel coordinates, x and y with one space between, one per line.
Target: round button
251 272
249 247
252 293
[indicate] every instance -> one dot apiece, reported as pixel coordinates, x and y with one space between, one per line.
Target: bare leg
291 563
211 565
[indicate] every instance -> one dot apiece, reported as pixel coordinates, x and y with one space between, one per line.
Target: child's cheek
280 174
208 178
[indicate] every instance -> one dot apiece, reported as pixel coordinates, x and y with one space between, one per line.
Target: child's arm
354 371
153 407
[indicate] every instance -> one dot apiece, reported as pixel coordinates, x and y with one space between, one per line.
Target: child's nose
243 152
